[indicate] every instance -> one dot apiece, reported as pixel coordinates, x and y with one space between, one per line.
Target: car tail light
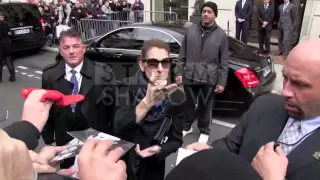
43 24
247 77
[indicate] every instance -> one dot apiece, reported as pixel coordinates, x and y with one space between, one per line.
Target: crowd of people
277 138
68 13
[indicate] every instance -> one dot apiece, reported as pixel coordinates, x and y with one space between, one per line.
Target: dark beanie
214 165
211 5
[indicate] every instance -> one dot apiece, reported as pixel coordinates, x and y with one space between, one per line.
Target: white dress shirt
285 5
243 2
78 74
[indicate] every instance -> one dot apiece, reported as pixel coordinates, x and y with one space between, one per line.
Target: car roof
175 26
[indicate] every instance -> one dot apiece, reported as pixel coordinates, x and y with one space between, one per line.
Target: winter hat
211 5
214 164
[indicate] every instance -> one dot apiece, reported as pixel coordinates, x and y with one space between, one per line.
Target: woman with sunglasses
150 108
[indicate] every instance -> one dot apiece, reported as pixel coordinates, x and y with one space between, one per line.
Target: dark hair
149 44
71 33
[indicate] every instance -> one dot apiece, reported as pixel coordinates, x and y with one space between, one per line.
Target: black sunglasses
154 63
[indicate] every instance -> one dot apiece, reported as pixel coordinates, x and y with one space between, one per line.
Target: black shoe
12 79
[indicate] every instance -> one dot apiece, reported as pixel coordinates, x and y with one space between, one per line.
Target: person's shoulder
268 101
50 67
221 31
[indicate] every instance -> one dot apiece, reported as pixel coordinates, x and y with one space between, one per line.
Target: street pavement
28 73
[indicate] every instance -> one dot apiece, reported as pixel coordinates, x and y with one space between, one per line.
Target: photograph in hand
72 149
94 134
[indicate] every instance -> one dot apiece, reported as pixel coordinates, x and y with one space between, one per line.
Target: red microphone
54 95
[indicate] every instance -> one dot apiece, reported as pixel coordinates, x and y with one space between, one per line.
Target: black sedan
251 74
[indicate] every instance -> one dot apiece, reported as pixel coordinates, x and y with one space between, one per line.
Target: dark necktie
75 89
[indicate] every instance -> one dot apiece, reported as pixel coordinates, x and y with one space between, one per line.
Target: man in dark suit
243 12
5 49
287 27
292 120
75 74
265 18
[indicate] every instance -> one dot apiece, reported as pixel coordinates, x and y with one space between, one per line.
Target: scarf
159 110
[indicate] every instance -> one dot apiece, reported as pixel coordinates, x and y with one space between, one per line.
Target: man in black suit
243 12
292 120
265 18
75 74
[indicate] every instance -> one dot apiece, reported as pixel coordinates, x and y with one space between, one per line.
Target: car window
18 15
147 34
174 46
121 39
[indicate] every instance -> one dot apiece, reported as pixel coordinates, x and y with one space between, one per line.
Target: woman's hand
150 151
158 90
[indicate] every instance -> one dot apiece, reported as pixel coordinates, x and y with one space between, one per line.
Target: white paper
183 153
101 136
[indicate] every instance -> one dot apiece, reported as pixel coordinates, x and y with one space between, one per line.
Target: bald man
291 120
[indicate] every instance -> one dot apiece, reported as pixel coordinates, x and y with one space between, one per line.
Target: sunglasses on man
154 63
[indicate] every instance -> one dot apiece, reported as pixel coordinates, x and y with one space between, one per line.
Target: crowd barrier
93 27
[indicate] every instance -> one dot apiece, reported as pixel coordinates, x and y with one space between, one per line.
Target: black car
251 74
26 24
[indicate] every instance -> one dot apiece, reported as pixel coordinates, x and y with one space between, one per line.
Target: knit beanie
211 5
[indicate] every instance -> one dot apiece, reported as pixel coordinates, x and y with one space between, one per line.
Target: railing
101 24
140 16
92 28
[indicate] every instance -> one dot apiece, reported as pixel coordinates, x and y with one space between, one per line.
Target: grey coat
209 64
288 22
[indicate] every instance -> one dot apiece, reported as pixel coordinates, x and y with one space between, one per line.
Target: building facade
309 13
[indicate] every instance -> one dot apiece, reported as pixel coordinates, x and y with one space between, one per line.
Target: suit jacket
288 21
265 15
288 18
95 111
245 12
264 123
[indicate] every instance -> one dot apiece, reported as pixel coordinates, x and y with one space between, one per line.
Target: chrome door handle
117 55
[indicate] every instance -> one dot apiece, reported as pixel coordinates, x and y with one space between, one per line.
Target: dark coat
264 123
5 42
95 111
265 15
125 127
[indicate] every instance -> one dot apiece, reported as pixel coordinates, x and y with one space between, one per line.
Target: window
147 34
174 46
121 39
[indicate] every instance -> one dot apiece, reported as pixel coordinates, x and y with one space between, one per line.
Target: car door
112 49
